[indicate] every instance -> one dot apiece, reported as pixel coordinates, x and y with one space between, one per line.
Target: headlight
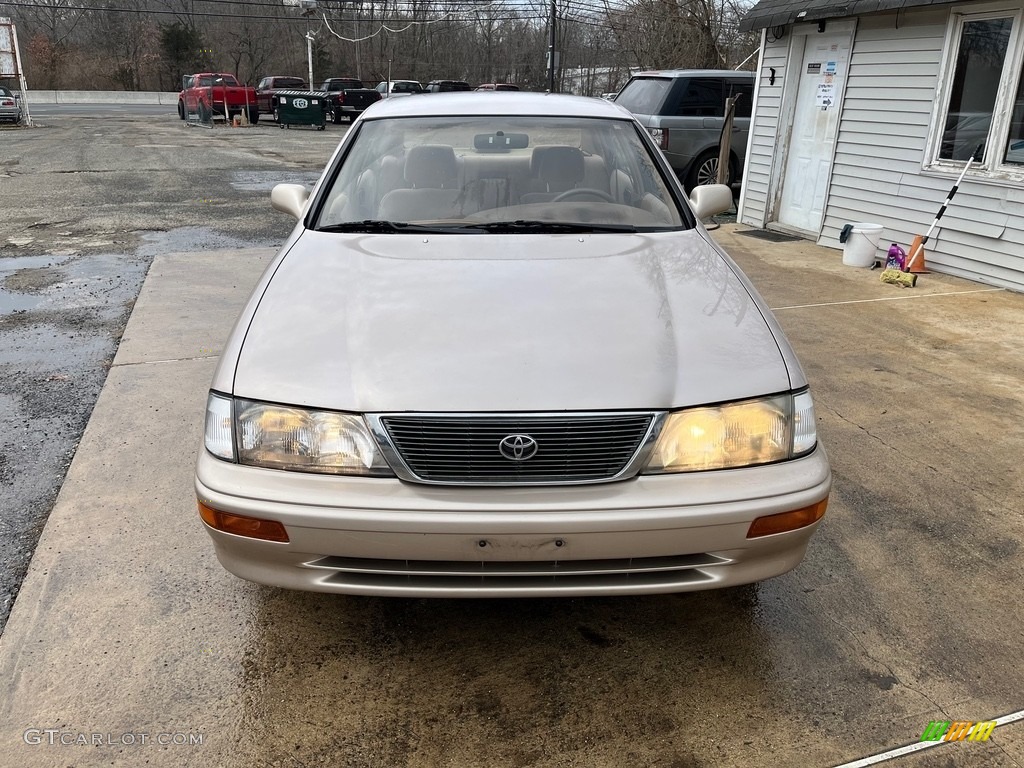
735 435
281 437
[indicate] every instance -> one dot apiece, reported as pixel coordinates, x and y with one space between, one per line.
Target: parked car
347 97
684 109
398 88
496 87
269 86
444 86
500 356
216 93
10 105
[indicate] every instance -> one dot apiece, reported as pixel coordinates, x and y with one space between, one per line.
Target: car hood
373 323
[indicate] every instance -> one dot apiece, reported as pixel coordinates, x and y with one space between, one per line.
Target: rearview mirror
289 198
710 199
500 141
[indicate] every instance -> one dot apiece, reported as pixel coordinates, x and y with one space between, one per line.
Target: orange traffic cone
915 261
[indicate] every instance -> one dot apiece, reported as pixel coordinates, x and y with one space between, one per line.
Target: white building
866 111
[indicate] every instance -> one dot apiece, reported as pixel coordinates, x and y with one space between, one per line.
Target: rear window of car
644 95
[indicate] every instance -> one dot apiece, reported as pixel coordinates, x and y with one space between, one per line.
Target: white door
815 125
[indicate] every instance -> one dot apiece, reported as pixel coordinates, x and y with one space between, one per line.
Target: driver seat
555 170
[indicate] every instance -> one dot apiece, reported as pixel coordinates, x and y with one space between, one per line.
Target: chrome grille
570 449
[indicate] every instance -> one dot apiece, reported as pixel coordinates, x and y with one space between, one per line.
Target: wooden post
726 143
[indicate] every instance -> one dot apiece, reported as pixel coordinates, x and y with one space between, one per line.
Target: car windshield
496 174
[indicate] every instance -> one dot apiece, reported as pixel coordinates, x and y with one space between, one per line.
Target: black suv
444 86
684 110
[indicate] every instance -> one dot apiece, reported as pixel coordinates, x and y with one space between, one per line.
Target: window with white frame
982 112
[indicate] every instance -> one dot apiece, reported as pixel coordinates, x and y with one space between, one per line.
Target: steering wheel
576 192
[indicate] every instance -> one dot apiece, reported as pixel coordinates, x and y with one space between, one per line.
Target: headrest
431 165
561 165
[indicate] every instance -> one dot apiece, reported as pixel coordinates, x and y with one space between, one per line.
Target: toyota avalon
499 355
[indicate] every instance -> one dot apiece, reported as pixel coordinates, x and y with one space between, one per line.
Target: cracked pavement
88 199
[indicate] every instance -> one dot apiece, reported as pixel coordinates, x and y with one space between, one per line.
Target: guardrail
169 98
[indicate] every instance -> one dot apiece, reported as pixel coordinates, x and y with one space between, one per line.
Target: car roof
511 103
694 73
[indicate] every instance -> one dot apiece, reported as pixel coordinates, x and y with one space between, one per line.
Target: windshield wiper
534 225
376 225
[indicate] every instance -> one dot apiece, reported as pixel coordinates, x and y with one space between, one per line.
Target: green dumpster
301 108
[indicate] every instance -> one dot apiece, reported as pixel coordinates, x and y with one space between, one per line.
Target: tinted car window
745 92
644 95
340 84
289 82
701 97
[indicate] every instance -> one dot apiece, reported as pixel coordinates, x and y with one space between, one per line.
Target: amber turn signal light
787 521
252 527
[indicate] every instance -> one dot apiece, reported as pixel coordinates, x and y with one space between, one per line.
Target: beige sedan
500 356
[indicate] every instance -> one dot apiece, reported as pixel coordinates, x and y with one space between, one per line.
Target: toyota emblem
518 447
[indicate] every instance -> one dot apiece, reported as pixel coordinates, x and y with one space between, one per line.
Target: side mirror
710 199
289 198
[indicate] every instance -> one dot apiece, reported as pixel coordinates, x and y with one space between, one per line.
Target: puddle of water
185 239
101 281
19 301
264 181
14 263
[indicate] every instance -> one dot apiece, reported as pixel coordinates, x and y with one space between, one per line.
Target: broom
919 243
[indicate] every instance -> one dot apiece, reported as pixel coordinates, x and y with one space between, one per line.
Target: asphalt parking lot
905 611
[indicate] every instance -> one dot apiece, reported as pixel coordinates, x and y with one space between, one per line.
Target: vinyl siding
764 135
880 151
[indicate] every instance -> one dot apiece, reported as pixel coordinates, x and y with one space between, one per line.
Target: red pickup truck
210 93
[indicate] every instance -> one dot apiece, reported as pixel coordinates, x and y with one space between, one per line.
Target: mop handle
942 210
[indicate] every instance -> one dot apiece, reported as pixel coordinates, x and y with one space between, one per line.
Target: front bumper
651 534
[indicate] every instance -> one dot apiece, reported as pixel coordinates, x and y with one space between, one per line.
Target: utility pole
551 50
308 9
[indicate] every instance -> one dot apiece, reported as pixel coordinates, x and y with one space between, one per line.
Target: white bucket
862 245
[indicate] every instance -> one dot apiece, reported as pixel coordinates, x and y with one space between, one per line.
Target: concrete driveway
906 610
